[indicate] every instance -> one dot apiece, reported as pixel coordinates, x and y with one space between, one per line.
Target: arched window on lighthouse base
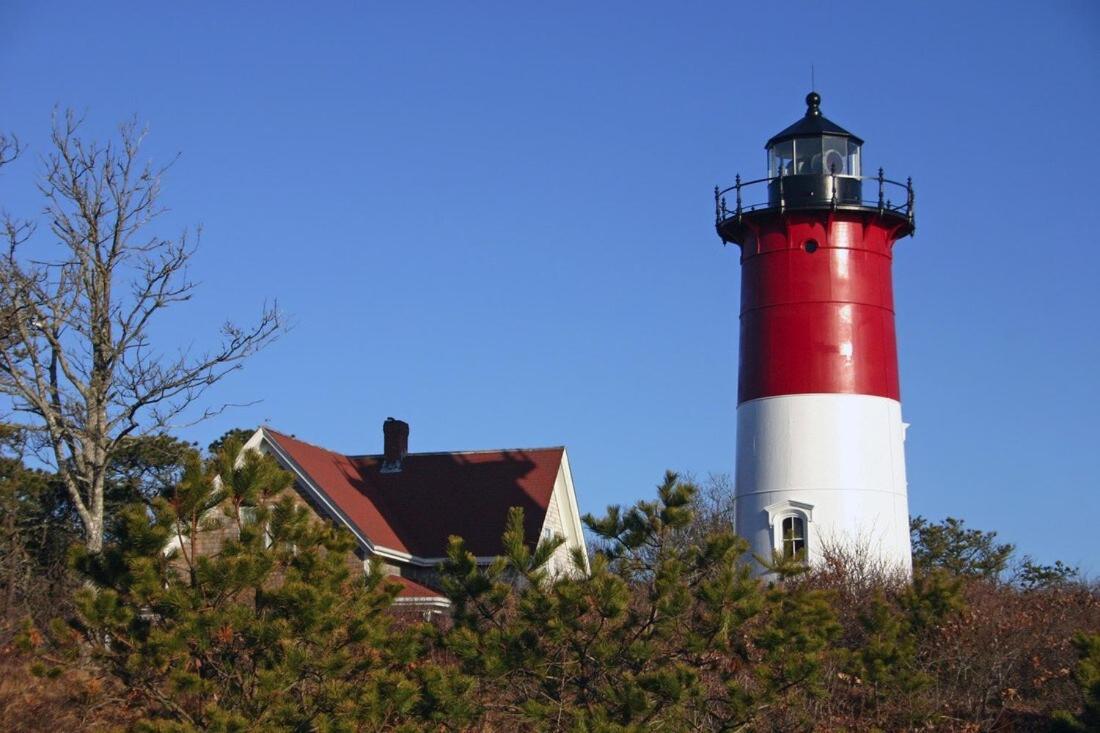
794 537
790 528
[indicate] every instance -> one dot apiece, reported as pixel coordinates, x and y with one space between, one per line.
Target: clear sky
495 220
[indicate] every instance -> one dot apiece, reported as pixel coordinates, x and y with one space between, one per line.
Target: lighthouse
820 437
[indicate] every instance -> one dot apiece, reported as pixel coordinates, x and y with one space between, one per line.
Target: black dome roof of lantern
813 124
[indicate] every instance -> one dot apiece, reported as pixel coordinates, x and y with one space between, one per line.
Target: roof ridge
418 453
460 452
280 433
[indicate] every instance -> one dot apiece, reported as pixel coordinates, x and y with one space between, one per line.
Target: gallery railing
775 190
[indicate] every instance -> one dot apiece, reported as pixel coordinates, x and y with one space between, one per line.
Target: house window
794 537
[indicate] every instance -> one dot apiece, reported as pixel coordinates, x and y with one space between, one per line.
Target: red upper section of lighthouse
817 306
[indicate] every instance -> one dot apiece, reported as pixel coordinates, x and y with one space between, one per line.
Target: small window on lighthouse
794 537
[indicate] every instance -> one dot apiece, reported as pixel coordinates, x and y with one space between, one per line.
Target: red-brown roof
434 496
412 589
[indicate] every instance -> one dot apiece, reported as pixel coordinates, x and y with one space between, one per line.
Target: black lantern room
812 164
814 145
817 158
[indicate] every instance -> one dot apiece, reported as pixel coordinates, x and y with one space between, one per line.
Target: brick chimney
395 438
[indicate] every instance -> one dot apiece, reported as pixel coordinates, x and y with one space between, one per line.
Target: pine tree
668 630
1087 675
953 547
36 530
273 630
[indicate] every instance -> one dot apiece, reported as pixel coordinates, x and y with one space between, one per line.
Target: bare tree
75 347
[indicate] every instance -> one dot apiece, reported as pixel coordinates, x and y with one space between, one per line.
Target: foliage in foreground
271 628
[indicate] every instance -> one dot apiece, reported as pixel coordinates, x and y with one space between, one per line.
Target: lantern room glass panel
807 156
780 157
853 159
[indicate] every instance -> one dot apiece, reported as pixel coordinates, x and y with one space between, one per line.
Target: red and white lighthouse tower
820 437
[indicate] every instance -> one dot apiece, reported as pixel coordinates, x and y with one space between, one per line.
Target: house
403 507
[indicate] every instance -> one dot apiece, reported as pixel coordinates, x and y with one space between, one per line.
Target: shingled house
402 507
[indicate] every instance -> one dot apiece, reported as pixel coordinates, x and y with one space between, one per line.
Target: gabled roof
435 495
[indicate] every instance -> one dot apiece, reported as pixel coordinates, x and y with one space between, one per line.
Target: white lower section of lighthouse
817 472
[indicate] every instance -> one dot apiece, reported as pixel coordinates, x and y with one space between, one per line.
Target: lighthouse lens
835 158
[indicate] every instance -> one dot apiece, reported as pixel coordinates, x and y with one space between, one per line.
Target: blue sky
494 220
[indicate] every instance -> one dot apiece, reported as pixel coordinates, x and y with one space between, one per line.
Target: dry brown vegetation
1003 661
74 700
